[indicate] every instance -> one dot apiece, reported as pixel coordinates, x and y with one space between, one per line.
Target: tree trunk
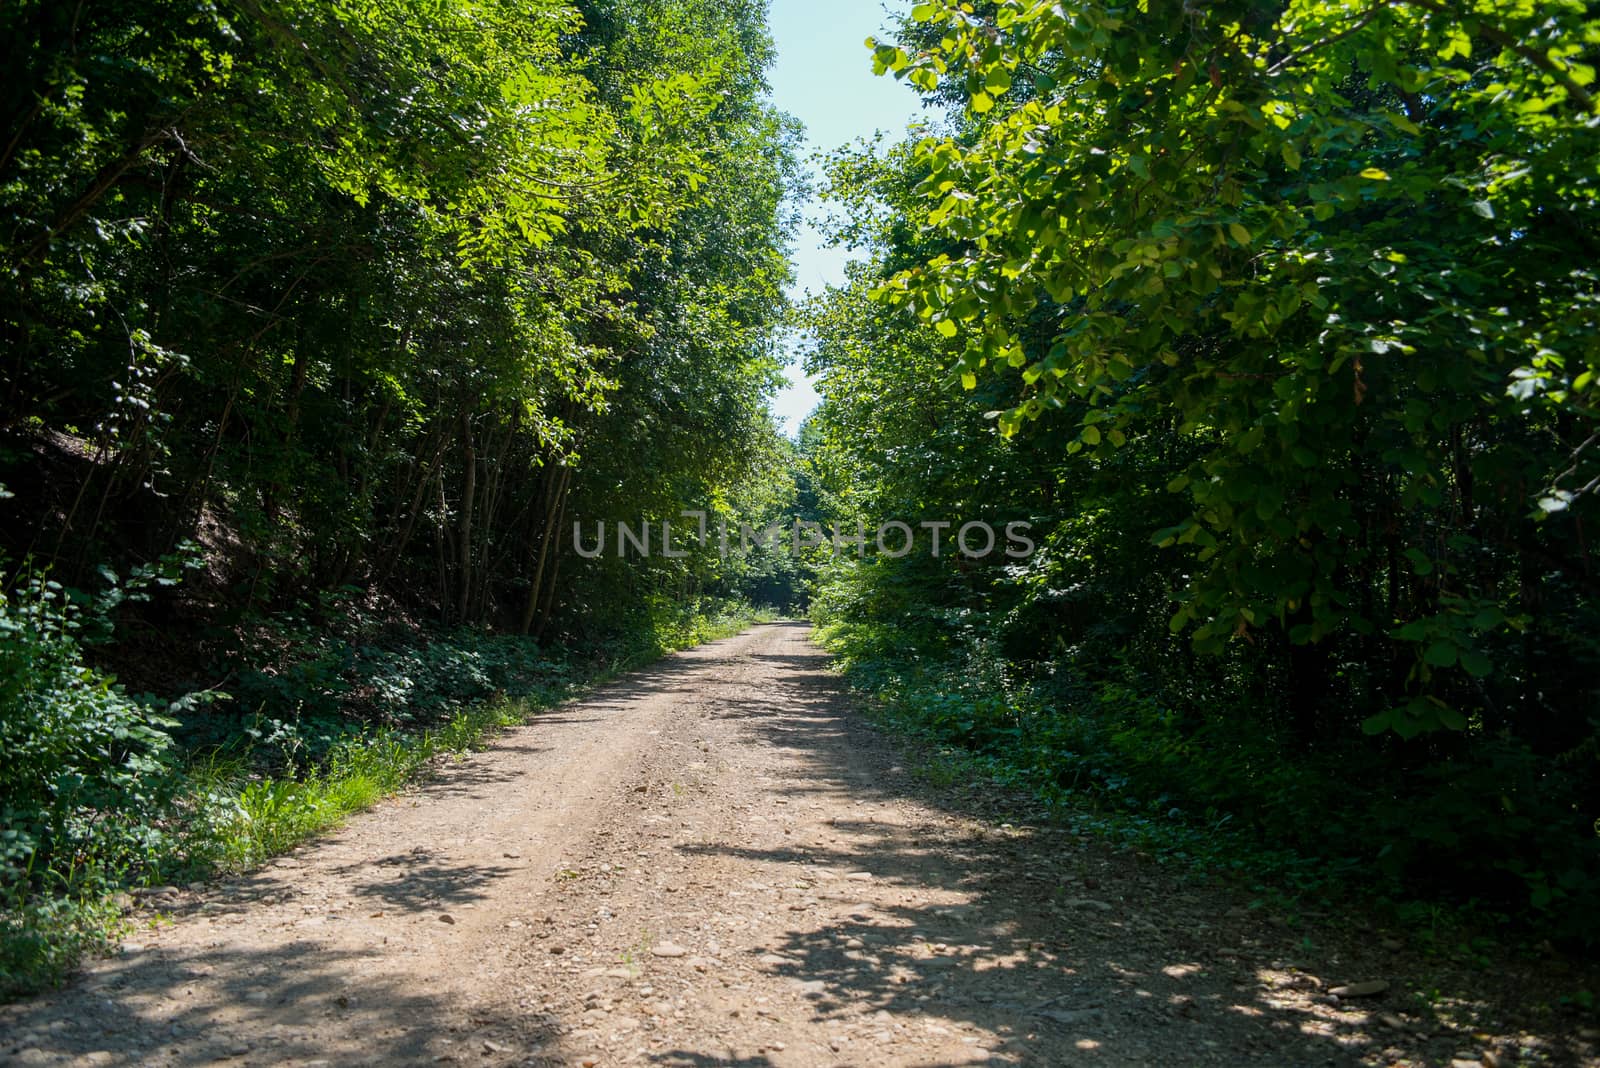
555 497
412 514
469 467
548 608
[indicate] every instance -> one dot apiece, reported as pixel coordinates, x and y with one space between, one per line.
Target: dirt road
714 862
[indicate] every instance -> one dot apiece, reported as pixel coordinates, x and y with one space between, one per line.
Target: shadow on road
1007 930
1069 952
299 1002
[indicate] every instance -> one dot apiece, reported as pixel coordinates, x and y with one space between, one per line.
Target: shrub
85 780
84 768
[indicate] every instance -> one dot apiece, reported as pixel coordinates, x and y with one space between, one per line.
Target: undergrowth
1302 833
102 791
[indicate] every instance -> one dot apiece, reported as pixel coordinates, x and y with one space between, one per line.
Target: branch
104 179
1496 35
1359 24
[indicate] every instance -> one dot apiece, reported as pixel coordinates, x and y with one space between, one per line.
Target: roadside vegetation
127 793
1279 325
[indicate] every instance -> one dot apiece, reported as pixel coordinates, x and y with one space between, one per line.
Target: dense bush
1489 827
85 768
87 784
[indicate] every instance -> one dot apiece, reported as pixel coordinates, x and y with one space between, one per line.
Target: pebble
1367 989
1087 903
445 917
669 949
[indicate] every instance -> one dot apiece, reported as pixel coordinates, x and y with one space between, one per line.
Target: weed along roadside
194 816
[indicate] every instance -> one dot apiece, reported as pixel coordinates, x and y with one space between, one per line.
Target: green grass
255 818
260 817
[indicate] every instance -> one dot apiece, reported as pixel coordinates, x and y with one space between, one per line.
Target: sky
823 77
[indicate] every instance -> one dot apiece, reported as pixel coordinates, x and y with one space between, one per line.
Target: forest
322 321
328 322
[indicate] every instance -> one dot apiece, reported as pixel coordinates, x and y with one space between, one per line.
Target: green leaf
1477 664
1239 234
1441 653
